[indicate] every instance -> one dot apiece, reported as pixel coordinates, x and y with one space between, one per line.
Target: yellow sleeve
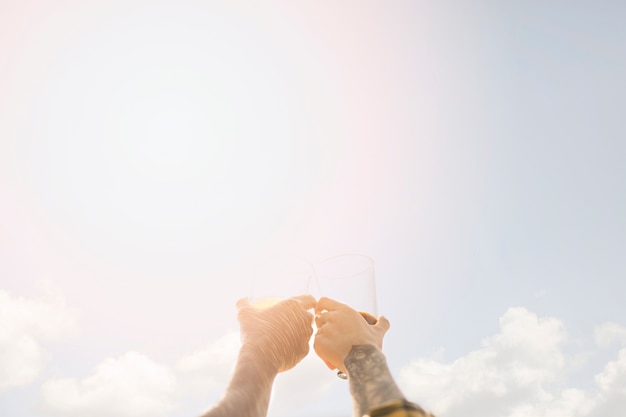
398 408
403 413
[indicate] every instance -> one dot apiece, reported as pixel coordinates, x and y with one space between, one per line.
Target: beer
369 318
268 302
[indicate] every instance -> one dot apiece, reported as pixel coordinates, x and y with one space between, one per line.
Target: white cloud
608 333
134 385
511 368
611 382
519 372
25 324
130 386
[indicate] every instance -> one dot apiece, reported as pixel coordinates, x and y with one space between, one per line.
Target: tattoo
370 380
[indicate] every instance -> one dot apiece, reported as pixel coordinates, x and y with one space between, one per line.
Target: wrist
257 358
360 357
371 383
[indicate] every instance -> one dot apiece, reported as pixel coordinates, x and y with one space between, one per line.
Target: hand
339 328
280 333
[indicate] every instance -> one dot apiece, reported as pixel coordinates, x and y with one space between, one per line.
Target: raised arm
346 341
273 340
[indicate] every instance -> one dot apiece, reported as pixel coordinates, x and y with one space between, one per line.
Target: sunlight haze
156 155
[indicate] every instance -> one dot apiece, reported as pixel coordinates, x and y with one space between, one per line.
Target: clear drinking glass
349 279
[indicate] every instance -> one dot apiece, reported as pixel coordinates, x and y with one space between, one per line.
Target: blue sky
150 153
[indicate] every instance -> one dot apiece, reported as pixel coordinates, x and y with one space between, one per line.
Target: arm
273 340
370 381
346 341
249 389
372 386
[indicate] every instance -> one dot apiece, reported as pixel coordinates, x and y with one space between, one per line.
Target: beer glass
349 279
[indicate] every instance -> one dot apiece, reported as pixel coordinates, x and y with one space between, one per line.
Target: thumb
243 303
383 324
245 310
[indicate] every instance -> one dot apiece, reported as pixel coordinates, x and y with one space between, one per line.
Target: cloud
511 367
608 333
519 372
129 386
25 326
611 382
134 385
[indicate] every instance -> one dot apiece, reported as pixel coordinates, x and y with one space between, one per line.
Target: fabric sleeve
398 408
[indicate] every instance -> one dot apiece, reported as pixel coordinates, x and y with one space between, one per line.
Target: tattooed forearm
370 380
249 390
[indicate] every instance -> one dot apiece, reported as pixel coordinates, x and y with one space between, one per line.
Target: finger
383 324
328 304
321 319
243 303
370 319
307 301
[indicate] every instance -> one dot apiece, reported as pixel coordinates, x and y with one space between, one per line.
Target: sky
154 153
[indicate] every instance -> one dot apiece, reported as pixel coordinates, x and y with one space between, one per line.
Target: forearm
369 377
372 385
249 390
